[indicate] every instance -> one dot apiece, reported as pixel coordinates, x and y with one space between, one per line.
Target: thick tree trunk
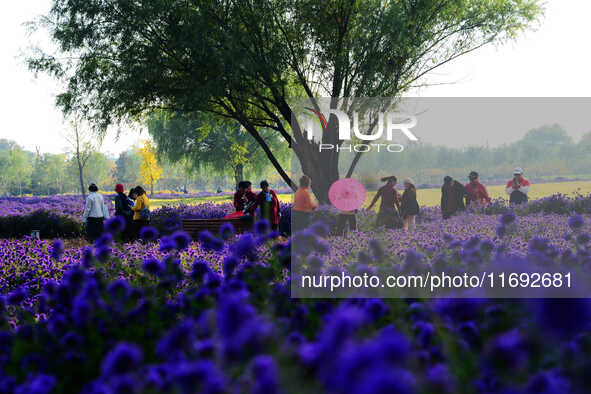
238 174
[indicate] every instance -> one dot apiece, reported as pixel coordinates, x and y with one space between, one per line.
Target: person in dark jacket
388 215
268 203
123 206
409 205
453 194
244 198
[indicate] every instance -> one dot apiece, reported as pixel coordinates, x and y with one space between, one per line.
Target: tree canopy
204 143
244 59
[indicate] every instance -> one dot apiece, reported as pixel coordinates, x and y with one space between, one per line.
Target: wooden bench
194 226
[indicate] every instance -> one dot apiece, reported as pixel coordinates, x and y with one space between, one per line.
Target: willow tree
244 59
204 144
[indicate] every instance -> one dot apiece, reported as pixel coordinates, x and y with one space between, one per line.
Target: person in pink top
518 187
476 191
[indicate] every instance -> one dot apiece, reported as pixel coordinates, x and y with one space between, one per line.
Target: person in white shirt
95 213
518 187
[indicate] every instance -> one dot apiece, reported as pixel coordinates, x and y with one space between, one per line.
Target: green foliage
127 166
49 225
244 60
202 143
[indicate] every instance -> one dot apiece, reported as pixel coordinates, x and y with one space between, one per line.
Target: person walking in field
453 194
409 205
141 210
518 187
302 205
477 194
268 202
388 215
95 213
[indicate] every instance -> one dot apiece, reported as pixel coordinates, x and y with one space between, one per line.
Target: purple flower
103 253
575 222
209 241
104 240
264 371
177 341
81 312
440 379
262 227
166 244
197 377
86 258
152 266
226 231
199 269
115 225
507 218
123 358
16 296
549 382
57 249
583 238
181 240
148 233
320 229
39 384
245 247
501 231
229 265
119 288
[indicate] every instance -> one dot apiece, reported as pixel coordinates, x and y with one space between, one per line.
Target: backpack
145 214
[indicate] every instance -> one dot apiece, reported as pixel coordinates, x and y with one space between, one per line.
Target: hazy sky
552 61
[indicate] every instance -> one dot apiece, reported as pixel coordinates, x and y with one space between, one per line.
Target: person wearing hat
518 187
476 191
123 206
388 215
95 213
409 206
453 194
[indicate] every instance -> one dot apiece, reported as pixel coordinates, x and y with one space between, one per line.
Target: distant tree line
25 172
547 153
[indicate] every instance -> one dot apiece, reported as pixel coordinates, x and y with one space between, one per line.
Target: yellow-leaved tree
150 169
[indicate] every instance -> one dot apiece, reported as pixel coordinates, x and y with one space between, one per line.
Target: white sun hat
517 170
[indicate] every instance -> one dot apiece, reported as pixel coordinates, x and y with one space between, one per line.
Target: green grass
426 197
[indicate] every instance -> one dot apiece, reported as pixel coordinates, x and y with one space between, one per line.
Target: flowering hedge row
216 317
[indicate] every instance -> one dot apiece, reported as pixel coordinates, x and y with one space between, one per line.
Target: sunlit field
432 197
427 197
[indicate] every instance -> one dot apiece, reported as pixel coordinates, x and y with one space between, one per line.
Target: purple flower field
215 316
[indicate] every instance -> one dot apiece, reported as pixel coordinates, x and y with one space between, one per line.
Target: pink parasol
347 194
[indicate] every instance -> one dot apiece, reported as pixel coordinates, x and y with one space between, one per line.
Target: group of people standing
247 202
398 211
474 193
133 207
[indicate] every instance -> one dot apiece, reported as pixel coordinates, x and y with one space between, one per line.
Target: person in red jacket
476 191
518 187
244 198
268 202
